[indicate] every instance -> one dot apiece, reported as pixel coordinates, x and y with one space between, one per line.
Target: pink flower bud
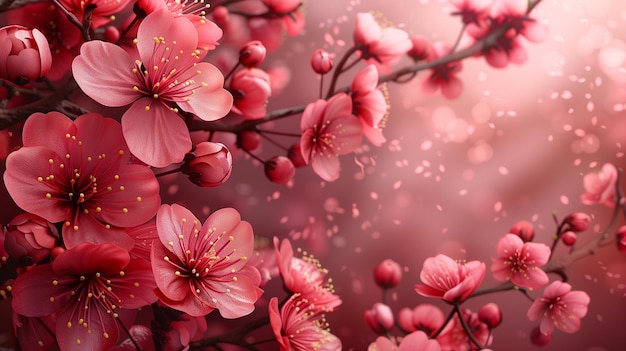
524 230
405 319
295 155
540 339
251 89
490 314
248 140
578 221
279 169
321 61
252 54
209 165
621 238
221 15
29 238
25 56
379 318
388 274
569 238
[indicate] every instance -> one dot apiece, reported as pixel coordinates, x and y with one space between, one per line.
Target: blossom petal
211 101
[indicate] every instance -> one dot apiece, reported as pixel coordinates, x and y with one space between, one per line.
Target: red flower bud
321 62
388 274
209 165
540 339
524 230
25 56
295 155
252 54
248 140
569 238
29 238
621 238
379 318
490 314
279 169
578 221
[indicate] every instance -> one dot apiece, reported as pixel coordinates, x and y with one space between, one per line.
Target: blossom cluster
108 97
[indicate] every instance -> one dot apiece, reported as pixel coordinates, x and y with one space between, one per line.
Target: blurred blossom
523 229
520 262
209 165
25 56
454 337
569 238
425 317
251 89
416 341
102 11
600 187
321 61
443 77
252 54
578 221
621 238
490 314
369 104
450 280
559 307
279 169
472 11
295 155
379 318
378 45
29 238
388 273
422 48
248 140
540 339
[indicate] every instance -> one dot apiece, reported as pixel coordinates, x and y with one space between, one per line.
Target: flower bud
252 54
569 238
248 140
29 238
388 274
578 221
295 155
379 318
209 165
524 230
25 56
321 61
279 169
621 238
405 319
490 314
251 89
540 339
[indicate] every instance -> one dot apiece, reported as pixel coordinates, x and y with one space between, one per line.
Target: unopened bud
25 55
388 273
379 318
524 230
321 61
248 140
209 165
252 54
578 221
569 238
295 155
490 314
540 339
279 169
29 239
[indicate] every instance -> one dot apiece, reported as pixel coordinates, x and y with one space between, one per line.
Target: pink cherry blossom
559 307
378 45
199 268
454 337
90 289
78 172
472 11
209 165
168 77
328 130
102 10
425 317
416 341
520 262
600 186
448 279
443 77
251 90
24 54
299 326
369 104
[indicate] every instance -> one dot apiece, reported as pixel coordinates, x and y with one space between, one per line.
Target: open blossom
472 11
425 317
600 186
416 341
24 54
454 337
448 279
78 172
90 289
443 77
199 268
520 262
328 130
101 10
169 76
369 103
299 326
379 45
559 307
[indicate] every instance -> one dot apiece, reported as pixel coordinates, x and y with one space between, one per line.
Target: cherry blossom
369 104
472 11
78 172
600 186
24 54
379 45
209 165
199 268
520 262
251 89
443 77
29 238
299 326
454 337
101 11
168 78
416 341
329 129
559 307
425 317
448 279
90 289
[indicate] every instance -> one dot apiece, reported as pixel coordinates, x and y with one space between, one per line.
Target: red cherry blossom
559 307
299 326
90 289
29 238
252 54
369 104
379 45
169 76
199 268
448 279
279 169
520 262
329 129
388 273
77 172
600 186
101 10
416 341
251 90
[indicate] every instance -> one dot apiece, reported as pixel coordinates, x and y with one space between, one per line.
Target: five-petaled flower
559 307
379 45
450 280
90 289
600 186
520 262
78 172
169 77
199 268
